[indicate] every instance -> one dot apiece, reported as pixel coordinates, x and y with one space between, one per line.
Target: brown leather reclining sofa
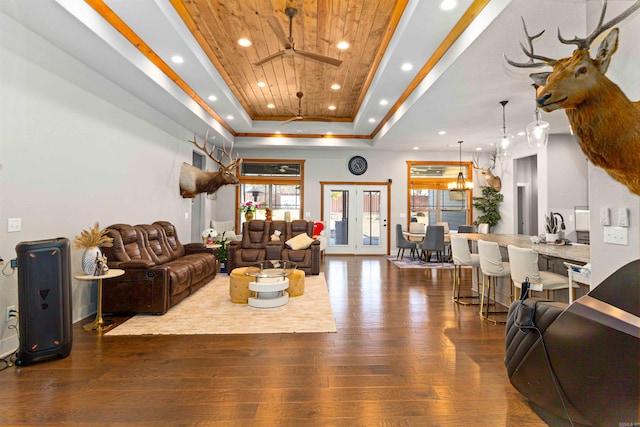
256 245
159 271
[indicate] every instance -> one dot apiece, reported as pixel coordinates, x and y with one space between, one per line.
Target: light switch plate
616 235
604 216
14 225
623 217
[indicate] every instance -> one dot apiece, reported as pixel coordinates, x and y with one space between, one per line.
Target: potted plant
488 204
91 241
209 235
248 209
552 228
221 251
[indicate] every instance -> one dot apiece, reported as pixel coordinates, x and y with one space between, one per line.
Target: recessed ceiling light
406 67
329 133
521 133
384 102
372 120
416 148
244 42
448 4
229 117
212 98
335 86
452 145
332 107
271 106
478 148
343 45
278 132
261 84
442 132
177 59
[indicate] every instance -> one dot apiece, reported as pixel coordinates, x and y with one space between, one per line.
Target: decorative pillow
301 241
317 228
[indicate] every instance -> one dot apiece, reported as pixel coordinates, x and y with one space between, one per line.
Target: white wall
69 159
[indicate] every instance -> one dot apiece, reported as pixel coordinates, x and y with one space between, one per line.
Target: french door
356 218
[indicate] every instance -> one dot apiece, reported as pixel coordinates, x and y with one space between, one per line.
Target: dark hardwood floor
404 355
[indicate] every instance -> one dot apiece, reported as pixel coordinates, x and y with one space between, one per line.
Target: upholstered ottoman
239 285
296 283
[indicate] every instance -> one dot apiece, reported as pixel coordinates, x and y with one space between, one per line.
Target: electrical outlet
11 312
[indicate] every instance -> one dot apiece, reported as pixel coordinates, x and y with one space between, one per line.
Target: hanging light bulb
460 184
537 132
503 147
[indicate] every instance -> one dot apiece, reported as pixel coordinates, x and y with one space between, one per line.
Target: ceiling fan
289 45
298 114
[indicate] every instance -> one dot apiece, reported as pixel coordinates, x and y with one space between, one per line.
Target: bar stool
492 268
462 257
524 263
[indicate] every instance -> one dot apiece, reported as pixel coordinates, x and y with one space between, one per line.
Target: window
272 184
430 201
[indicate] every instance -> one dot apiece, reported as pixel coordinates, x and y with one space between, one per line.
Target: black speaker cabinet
44 292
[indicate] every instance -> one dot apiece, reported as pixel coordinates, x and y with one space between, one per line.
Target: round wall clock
357 165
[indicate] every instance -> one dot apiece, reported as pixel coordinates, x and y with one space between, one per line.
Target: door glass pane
339 218
370 218
453 211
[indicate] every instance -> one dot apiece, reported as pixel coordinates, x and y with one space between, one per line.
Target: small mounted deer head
605 121
492 181
193 181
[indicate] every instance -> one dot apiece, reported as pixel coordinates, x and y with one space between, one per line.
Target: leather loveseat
256 245
159 271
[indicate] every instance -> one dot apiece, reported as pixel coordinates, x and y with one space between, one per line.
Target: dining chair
445 225
493 268
433 242
417 228
466 229
402 243
524 263
462 257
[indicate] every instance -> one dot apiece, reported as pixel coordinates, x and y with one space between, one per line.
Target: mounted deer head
492 181
605 121
193 181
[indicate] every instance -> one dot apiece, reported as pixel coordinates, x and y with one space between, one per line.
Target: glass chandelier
537 132
503 147
460 184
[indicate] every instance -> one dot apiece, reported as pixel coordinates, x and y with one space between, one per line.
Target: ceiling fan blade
292 119
317 119
318 57
269 58
279 31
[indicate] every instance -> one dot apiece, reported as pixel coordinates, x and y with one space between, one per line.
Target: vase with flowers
209 235
248 209
91 241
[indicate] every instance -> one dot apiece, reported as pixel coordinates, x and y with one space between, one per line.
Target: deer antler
529 52
223 152
585 43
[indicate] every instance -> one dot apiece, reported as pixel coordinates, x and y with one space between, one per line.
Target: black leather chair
593 346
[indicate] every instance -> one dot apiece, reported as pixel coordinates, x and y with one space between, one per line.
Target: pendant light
537 131
503 147
460 184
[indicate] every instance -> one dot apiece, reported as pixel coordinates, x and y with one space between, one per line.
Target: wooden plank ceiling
367 25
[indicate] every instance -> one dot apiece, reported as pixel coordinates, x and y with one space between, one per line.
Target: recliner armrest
139 263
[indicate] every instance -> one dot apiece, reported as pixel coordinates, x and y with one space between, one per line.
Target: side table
270 283
99 324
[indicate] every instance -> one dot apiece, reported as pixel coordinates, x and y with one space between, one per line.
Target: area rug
210 311
409 262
